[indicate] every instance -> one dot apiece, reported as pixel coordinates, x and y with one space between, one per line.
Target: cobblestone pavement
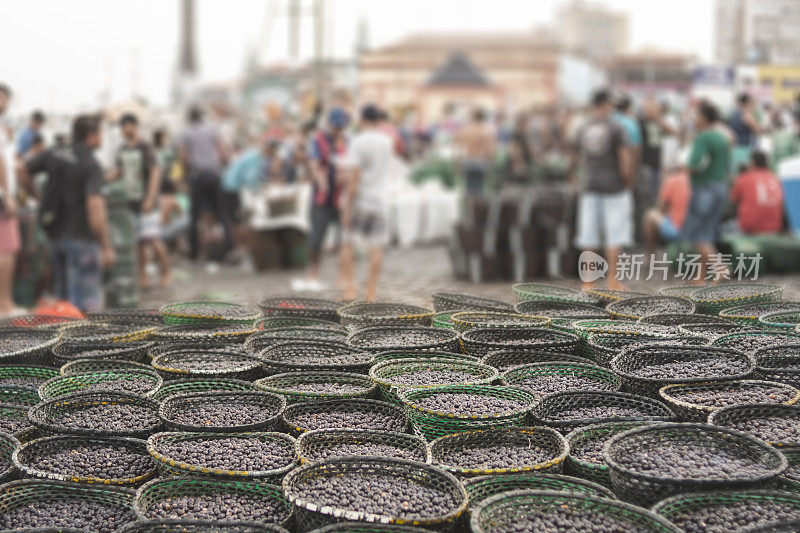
410 275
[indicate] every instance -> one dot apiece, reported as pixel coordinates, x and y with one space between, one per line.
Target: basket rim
768 288
45 394
253 362
14 441
475 480
565 337
579 432
449 295
631 351
709 319
606 502
139 509
758 333
491 373
409 402
167 310
560 455
118 349
399 412
555 363
759 366
458 319
565 294
369 386
587 327
612 307
134 526
770 407
83 489
155 440
125 333
452 336
665 392
694 482
765 318
291 496
323 304
601 313
321 434
312 322
35 413
729 312
772 494
594 421
127 442
414 311
124 364
54 338
602 293
186 381
213 395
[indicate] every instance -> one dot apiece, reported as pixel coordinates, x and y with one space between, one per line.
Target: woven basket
30 492
143 382
12 395
166 489
504 511
630 328
593 468
779 363
126 315
49 416
682 291
481 488
272 322
638 366
25 459
781 526
781 320
681 319
395 355
26 345
751 341
646 488
8 445
68 351
80 366
264 339
504 360
639 307
763 507
601 348
566 411
171 346
206 363
443 319
751 418
607 296
321 444
481 341
209 313
293 306
541 291
312 386
465 320
712 300
449 452
38 321
558 309
393 375
190 385
313 513
558 376
14 420
432 423
329 414
205 334
363 527
710 331
164 525
294 356
96 332
750 313
158 446
419 338
677 396
259 411
367 314
443 301
790 481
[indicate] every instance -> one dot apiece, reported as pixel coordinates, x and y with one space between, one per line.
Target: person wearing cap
365 199
325 147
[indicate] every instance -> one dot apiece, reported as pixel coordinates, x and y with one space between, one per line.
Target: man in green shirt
708 164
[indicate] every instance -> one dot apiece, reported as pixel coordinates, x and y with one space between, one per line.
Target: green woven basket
746 418
12 395
25 376
587 464
80 366
751 312
466 320
682 291
781 320
641 306
143 382
444 319
8 445
541 291
433 424
712 300
557 376
188 385
321 444
607 296
273 322
398 376
209 313
322 385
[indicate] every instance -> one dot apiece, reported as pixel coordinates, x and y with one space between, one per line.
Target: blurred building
592 30
757 31
507 71
650 70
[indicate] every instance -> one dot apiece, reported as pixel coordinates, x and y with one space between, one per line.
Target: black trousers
207 196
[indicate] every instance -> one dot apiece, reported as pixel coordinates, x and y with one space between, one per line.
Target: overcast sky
60 55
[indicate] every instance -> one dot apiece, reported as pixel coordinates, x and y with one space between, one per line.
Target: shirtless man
476 143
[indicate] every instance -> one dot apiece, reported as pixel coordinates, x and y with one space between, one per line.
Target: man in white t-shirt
365 201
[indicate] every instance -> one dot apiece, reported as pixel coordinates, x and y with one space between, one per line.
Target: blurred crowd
673 165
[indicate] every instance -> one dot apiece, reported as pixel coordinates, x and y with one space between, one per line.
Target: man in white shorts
364 207
605 203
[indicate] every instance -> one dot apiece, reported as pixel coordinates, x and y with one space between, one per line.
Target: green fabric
709 158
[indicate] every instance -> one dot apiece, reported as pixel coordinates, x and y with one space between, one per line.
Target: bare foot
371 297
166 280
144 283
616 285
588 286
349 295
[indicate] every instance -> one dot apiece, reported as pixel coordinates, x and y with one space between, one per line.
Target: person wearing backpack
73 214
326 147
